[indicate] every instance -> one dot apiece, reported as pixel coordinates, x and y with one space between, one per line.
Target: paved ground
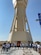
19 51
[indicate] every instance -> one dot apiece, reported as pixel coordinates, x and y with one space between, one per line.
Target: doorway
18 43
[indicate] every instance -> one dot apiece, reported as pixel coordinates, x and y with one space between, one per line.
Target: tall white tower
18 30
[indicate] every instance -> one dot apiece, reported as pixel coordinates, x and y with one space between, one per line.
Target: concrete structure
18 30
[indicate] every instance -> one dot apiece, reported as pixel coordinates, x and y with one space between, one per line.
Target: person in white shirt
7 46
38 46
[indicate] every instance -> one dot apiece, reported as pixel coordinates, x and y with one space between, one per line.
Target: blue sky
7 15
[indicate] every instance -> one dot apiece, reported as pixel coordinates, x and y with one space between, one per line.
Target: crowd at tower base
7 46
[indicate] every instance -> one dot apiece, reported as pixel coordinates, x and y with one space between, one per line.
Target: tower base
19 36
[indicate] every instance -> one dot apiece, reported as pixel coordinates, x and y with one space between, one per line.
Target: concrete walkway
19 51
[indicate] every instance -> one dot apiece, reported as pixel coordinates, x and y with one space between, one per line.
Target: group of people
6 46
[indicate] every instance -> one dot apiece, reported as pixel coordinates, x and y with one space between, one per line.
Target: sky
7 16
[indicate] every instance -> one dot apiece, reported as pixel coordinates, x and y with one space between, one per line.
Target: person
36 47
23 45
26 45
18 44
12 44
7 46
3 46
